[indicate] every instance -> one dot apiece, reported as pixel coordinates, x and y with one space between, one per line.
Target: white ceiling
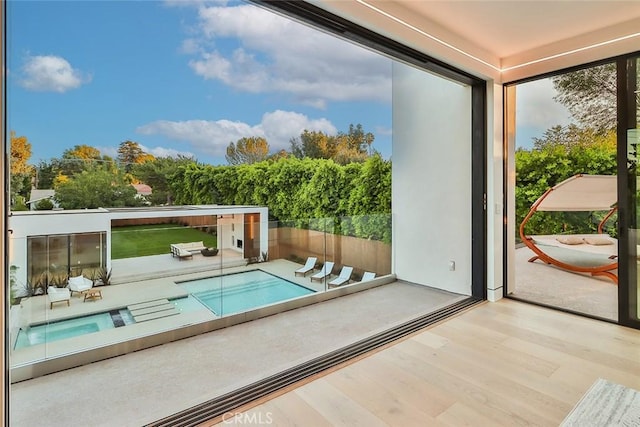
505 28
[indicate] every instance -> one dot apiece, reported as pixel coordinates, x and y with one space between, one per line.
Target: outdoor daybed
586 193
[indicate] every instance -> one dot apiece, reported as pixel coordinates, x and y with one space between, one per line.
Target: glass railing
135 280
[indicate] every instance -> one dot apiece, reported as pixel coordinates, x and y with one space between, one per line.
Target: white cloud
536 108
50 73
166 152
275 54
213 137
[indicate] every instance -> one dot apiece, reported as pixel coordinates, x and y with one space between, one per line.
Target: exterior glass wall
580 122
53 259
562 127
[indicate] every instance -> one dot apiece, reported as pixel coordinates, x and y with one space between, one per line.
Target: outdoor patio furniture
586 193
324 271
177 249
209 252
368 275
79 284
343 277
309 266
58 295
183 254
92 294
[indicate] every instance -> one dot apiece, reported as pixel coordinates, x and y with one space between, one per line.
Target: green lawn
142 240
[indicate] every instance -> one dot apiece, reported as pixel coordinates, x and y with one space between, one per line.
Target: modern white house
63 241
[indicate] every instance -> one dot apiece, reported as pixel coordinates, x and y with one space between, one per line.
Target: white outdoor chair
58 295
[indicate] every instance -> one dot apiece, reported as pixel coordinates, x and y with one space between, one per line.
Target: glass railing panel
48 320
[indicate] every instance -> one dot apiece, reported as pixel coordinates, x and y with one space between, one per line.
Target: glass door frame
627 74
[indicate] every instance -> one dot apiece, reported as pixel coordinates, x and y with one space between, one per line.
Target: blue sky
183 77
189 77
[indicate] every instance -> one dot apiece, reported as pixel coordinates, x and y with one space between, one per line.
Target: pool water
62 329
235 293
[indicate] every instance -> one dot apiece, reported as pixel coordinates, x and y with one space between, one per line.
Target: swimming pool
62 329
235 293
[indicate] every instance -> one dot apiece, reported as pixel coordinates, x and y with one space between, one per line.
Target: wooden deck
505 363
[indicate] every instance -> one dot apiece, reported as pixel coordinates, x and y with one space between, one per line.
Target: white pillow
570 240
598 240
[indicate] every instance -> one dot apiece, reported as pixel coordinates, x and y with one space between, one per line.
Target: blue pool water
62 329
235 293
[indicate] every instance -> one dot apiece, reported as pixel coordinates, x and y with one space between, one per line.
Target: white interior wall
230 229
431 185
495 194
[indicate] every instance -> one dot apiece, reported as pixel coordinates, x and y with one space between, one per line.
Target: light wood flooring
499 364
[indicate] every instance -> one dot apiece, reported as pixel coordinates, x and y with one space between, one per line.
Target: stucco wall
431 189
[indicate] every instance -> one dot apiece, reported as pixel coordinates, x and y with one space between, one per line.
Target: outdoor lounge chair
310 265
58 295
587 193
324 271
343 277
368 275
79 284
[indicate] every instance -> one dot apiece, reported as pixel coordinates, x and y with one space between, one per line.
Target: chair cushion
76 281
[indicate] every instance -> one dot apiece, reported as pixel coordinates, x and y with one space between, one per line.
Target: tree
560 154
157 173
20 155
44 205
589 95
247 151
45 174
96 188
83 152
130 153
20 171
353 146
75 160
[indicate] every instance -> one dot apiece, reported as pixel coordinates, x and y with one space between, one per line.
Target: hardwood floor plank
460 415
588 349
392 389
483 400
500 361
474 338
500 364
510 390
336 407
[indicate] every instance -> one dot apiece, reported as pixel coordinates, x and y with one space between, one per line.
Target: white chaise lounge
368 275
324 271
308 266
343 277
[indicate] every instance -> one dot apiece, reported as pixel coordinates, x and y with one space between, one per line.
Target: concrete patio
150 384
546 284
